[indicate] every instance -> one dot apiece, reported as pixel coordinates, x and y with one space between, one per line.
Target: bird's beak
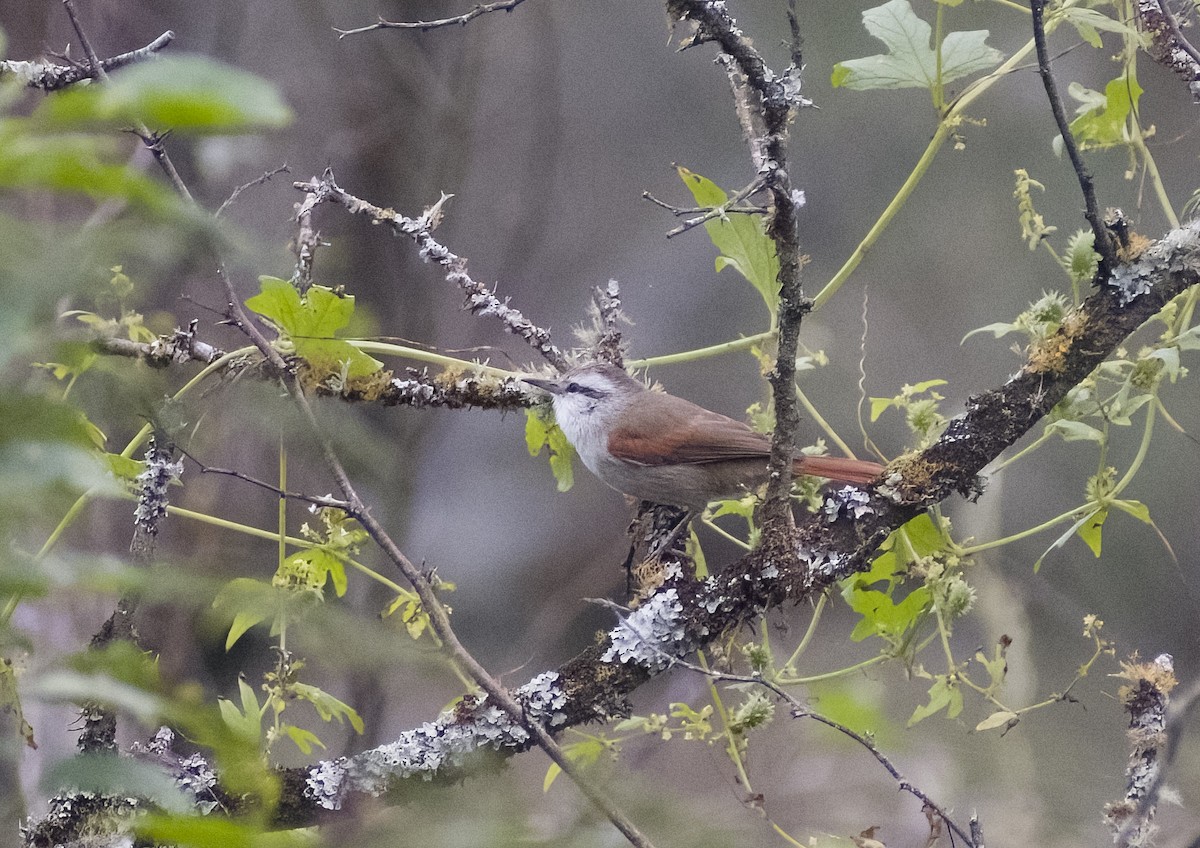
552 386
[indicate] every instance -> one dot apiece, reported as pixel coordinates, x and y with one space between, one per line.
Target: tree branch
51 77
425 26
1168 46
773 104
1102 242
480 300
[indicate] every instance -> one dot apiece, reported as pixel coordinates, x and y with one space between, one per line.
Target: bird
664 449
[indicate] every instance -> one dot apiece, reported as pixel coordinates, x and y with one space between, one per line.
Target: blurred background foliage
547 124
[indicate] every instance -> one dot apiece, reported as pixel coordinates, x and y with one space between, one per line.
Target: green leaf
304 739
76 164
320 566
10 702
124 467
925 537
1000 718
910 61
80 687
585 752
1102 122
541 431
180 93
311 323
741 239
943 695
883 617
552 774
1189 339
1000 328
1089 23
200 832
327 706
1089 530
1061 540
1135 508
1074 431
248 602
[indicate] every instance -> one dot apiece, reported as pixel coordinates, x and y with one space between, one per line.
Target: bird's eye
574 388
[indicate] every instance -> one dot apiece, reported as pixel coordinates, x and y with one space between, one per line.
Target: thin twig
257 181
324 501
719 211
796 45
1103 244
1168 46
480 300
50 77
153 141
608 317
439 621
775 98
425 26
680 211
178 347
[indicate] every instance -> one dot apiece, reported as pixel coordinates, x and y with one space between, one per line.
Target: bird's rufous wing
667 430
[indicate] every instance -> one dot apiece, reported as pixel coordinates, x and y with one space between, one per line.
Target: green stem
744 343
944 130
1143 449
822 423
720 531
809 633
784 680
730 744
143 434
388 349
1160 190
939 35
1071 515
282 501
294 541
1028 449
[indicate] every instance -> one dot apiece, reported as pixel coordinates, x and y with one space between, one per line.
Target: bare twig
796 45
305 247
257 181
680 211
608 316
1168 46
324 501
449 390
1103 244
480 300
425 26
768 101
153 141
51 77
1154 733
179 347
719 211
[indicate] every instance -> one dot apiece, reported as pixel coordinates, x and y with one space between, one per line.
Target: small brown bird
664 449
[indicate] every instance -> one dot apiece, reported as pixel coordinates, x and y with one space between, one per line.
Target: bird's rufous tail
857 471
